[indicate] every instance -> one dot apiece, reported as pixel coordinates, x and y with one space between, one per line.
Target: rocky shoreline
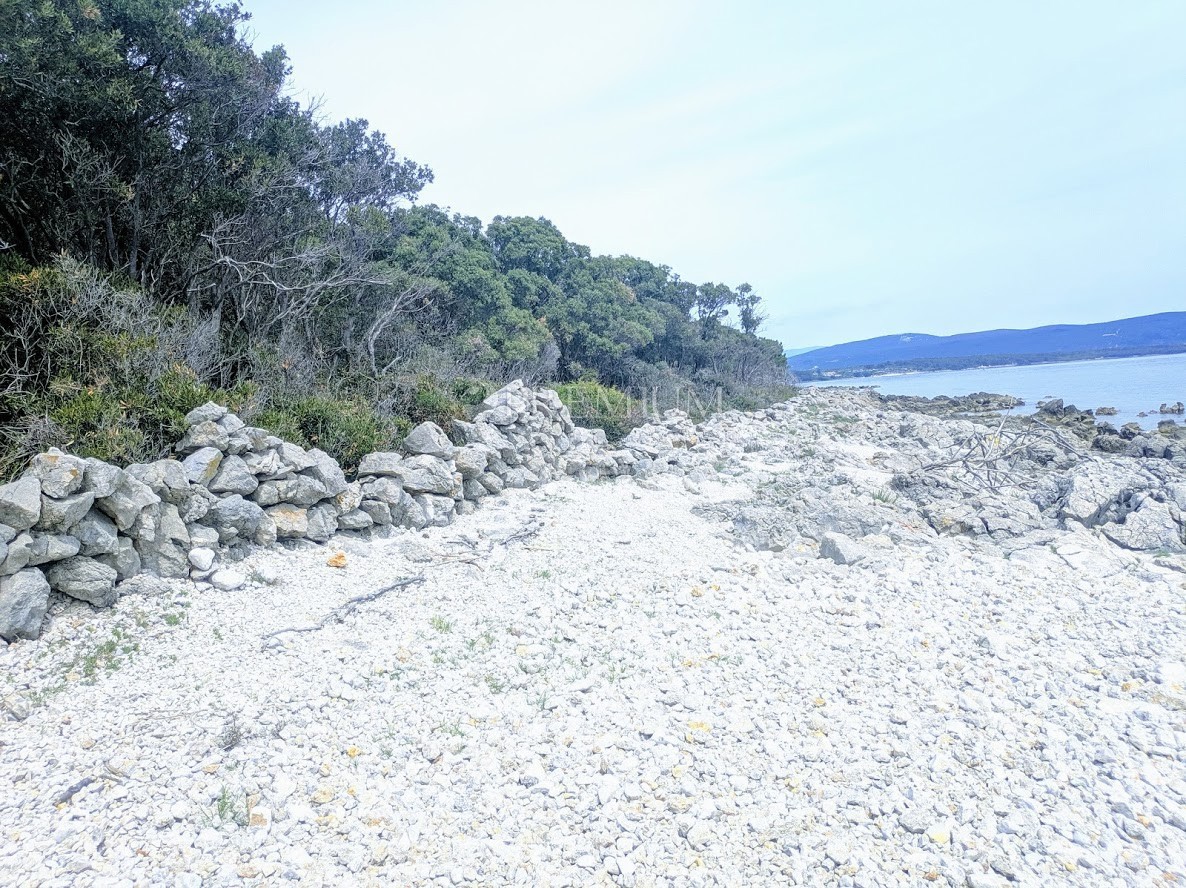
842 640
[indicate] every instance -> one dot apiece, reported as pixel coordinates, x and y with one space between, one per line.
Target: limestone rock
96 534
841 549
59 515
426 474
380 463
101 478
202 465
322 523
356 519
58 473
291 521
471 460
233 476
20 503
167 478
123 505
379 512
85 579
429 439
24 597
202 558
125 560
326 471
162 541
208 412
202 435
235 519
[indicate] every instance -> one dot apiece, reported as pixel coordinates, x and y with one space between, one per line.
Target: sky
868 167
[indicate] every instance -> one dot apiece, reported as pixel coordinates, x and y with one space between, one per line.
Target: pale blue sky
870 167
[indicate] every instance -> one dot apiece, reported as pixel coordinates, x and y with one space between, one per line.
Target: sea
1132 385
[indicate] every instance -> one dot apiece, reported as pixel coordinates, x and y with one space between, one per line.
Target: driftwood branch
344 609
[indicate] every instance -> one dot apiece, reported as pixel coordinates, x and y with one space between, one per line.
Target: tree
747 305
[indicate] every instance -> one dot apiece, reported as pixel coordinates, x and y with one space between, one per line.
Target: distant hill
1150 334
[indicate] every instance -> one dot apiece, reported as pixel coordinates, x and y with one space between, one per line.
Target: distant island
1155 334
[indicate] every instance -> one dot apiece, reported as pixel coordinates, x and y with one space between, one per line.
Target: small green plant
441 625
495 684
453 728
885 495
172 619
231 807
217 632
543 574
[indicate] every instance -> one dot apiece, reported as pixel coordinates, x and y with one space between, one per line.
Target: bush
600 406
346 428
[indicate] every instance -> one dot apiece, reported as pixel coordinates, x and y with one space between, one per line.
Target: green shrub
600 406
346 428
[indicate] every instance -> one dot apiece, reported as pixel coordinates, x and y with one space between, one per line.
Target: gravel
604 684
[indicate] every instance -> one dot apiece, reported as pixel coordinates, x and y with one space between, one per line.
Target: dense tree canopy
148 139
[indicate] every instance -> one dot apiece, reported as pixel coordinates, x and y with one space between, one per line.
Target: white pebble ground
626 697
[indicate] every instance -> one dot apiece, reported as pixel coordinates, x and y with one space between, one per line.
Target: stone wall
82 527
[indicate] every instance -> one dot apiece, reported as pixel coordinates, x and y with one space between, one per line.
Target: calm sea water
1131 385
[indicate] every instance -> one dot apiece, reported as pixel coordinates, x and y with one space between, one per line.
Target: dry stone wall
82 527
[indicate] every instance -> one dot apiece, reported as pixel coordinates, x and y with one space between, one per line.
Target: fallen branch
344 609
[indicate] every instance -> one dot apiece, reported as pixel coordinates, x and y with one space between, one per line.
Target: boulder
227 580
385 489
429 439
167 478
233 476
208 412
247 440
202 558
380 463
123 505
349 499
86 579
203 537
379 512
162 541
426 474
59 515
293 458
291 521
203 464
7 533
101 478
438 510
300 490
357 519
1152 527
491 482
235 519
501 415
24 597
30 550
194 504
202 435
230 424
326 471
322 523
20 503
58 473
125 560
841 549
266 464
471 460
96 534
